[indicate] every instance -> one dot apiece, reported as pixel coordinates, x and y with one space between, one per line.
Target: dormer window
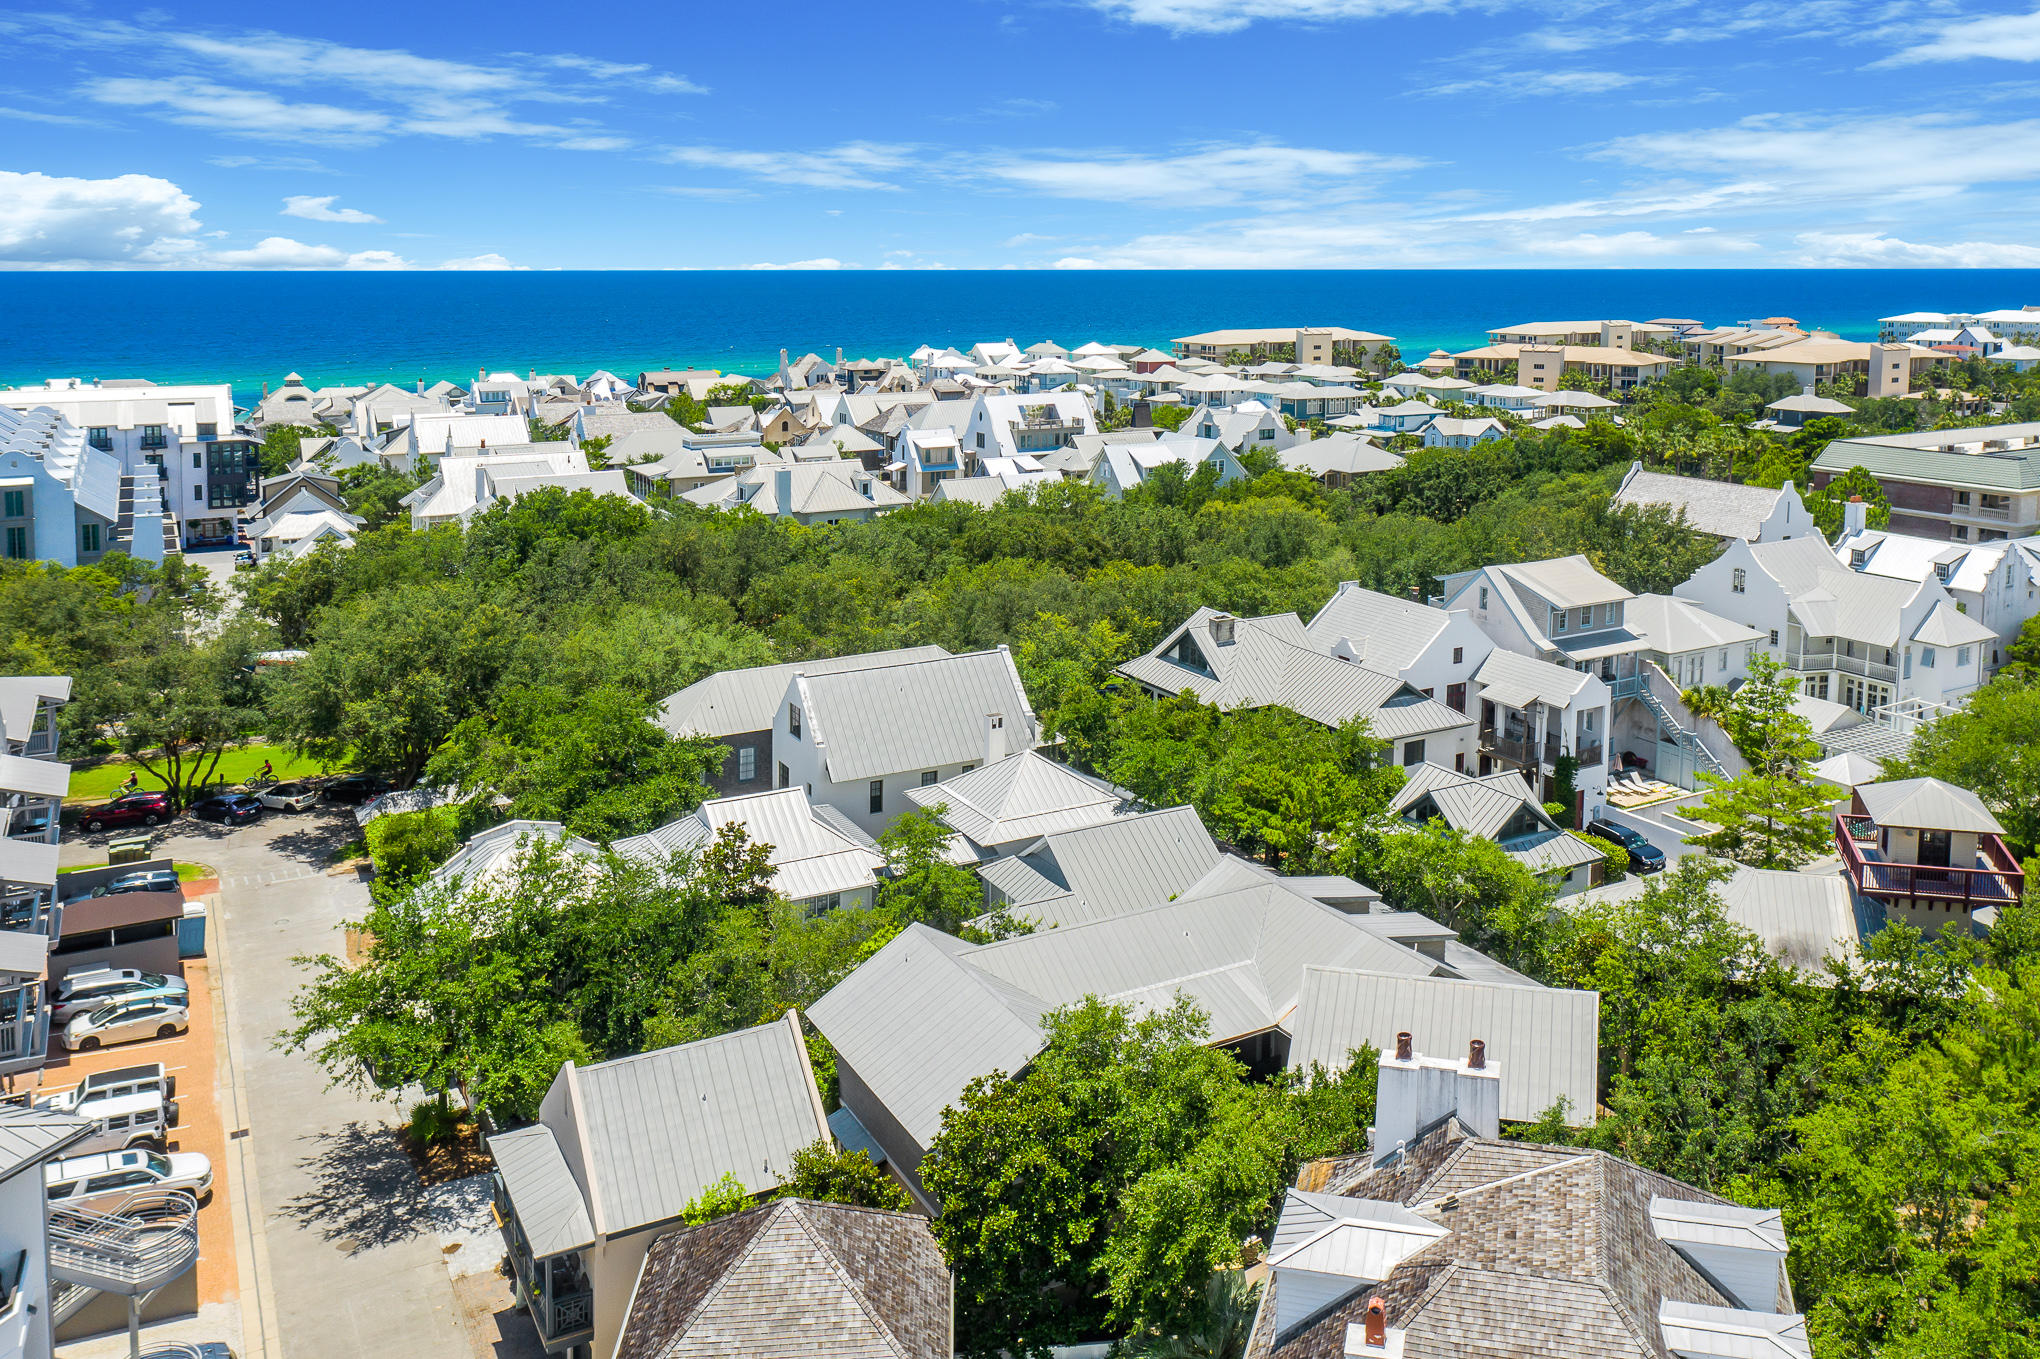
1941 572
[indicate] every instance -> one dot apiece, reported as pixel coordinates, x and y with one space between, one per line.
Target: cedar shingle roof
1551 1250
793 1278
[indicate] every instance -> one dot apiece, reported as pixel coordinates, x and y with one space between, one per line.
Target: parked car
352 790
153 880
243 558
129 809
141 1118
89 991
124 1021
233 809
1644 856
102 1180
288 797
124 1080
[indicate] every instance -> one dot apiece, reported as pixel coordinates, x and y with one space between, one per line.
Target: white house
820 860
1435 652
462 486
1994 582
1861 640
1122 466
64 501
1448 431
924 458
1249 425
1504 808
856 740
808 493
1337 459
1005 425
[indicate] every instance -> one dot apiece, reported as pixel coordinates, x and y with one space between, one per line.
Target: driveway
1645 822
346 1247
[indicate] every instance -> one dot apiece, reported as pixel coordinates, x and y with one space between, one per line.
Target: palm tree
1229 1306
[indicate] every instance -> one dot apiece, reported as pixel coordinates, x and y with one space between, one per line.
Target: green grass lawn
101 781
185 872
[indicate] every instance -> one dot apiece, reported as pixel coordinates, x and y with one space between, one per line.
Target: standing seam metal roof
918 715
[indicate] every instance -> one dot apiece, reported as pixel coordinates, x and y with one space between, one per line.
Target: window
929 777
17 543
1455 697
1458 655
1413 753
1563 616
88 537
208 430
1962 655
1739 580
1749 652
1774 636
16 504
1587 617
1926 658
967 768
823 904
980 440
99 436
747 764
198 493
1961 532
1962 499
152 436
1483 596
877 796
793 719
784 778
1721 661
195 463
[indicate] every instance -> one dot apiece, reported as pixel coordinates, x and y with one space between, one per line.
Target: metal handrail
148 1239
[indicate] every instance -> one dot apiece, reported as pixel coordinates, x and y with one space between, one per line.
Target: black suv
1644 856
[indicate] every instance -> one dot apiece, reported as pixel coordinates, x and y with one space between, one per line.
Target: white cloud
1870 249
823 263
1212 175
488 261
1889 159
2000 37
1541 84
50 221
1228 16
54 119
297 165
281 252
1623 246
321 209
246 113
635 74
712 192
1641 203
854 165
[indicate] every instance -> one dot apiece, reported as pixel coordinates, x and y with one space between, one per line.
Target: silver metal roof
810 856
1927 804
917 715
550 1208
1518 681
732 702
1731 1333
1388 633
1476 805
1547 1041
1127 864
1719 508
31 1136
1020 798
658 1127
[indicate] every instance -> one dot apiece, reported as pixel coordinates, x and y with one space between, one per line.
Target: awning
37 778
1614 644
28 862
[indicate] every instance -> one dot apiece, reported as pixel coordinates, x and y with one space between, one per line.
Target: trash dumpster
191 931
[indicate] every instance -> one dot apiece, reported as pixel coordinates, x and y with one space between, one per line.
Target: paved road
347 1251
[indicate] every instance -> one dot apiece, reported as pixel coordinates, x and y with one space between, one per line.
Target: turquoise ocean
252 328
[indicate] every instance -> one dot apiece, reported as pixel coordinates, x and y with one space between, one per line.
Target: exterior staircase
147 1240
1686 740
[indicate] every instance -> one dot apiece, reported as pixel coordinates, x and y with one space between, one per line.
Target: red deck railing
2001 879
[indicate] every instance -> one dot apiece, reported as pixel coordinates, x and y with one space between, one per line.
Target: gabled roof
1946 625
1673 625
1830 599
31 1136
811 855
1803 919
551 1211
1720 508
1386 633
1547 1041
1271 661
918 714
793 1279
1927 804
1517 680
1473 805
1350 454
1549 1249
1020 798
656 1128
488 859
1129 863
732 702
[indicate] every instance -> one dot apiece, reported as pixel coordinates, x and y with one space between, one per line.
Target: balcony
1590 755
555 1290
24 1028
1832 659
1519 749
1627 686
1994 879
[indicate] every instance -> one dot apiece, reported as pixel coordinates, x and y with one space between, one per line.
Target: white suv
101 1182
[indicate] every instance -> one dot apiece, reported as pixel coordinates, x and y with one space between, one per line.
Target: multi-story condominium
2016 325
1965 485
184 435
1884 369
1609 334
1542 365
32 788
1712 348
64 501
1308 344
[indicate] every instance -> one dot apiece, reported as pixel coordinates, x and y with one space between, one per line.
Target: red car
129 809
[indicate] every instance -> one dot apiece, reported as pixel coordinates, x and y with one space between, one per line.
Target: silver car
102 1181
83 992
124 1021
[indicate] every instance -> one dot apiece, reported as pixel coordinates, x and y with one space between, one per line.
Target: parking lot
332 1248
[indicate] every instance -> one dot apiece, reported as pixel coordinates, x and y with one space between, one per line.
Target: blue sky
991 134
